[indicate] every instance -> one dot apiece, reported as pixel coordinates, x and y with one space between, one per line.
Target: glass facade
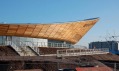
35 42
1 41
25 40
54 43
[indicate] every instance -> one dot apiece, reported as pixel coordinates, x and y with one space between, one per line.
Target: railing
77 51
32 46
61 45
45 44
77 46
15 47
49 44
20 47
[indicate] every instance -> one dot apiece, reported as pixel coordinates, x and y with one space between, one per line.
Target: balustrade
77 51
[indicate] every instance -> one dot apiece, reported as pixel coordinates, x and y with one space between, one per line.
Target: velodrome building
44 35
65 33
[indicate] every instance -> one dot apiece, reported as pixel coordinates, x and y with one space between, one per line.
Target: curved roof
70 31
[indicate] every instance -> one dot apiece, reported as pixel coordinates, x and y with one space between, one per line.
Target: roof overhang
69 31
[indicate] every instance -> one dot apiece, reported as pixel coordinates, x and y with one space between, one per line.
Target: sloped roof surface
70 31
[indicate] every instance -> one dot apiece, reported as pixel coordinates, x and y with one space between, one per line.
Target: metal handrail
32 46
77 51
61 45
49 44
15 47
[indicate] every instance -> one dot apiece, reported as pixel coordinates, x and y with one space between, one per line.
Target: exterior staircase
22 49
32 47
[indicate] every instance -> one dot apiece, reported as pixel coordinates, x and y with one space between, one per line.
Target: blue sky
50 11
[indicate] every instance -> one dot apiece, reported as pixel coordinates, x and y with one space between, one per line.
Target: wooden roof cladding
69 31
